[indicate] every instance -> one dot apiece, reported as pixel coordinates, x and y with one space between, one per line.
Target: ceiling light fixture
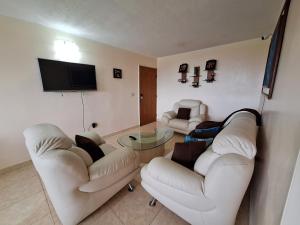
67 51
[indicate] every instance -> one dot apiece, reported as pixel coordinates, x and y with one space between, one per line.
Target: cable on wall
82 102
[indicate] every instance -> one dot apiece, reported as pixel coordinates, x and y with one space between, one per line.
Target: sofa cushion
208 124
239 136
184 113
110 169
90 147
186 154
83 155
179 124
107 148
205 160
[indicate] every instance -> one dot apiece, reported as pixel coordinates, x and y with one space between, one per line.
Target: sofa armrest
174 175
170 115
194 121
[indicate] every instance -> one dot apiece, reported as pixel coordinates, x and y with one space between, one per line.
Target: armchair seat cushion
174 175
110 169
176 183
179 124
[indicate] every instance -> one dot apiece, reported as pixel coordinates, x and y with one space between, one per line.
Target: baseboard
14 167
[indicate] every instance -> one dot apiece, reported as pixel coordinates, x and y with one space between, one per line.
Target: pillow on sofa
90 147
186 154
184 113
208 124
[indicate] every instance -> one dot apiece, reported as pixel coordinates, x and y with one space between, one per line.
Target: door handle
141 97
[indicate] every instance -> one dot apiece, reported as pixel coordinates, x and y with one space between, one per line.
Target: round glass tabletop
140 141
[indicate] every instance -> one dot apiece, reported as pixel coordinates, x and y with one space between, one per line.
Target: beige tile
15 167
132 207
22 188
47 220
27 211
167 217
16 175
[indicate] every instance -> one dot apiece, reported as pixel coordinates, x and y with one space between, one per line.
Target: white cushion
163 170
107 148
205 160
110 169
179 124
83 155
239 136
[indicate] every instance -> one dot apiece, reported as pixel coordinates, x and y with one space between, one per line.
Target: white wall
291 214
23 102
240 70
280 134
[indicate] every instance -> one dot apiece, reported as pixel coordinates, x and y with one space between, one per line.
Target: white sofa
76 186
212 193
197 115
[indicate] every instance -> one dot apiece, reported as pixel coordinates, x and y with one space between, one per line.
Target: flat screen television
66 76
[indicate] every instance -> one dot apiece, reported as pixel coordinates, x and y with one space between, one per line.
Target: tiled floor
23 200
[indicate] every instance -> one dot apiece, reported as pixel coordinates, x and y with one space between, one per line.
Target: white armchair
197 115
76 186
212 193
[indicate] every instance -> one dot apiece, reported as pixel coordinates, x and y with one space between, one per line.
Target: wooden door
148 88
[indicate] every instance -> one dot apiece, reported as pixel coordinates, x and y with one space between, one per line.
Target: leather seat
76 186
197 115
213 191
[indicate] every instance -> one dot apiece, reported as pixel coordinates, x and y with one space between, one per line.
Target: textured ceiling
152 27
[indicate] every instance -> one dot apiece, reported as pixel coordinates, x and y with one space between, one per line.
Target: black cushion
184 113
90 147
186 154
208 124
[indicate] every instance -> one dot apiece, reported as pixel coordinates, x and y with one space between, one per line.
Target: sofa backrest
228 165
238 136
194 105
44 137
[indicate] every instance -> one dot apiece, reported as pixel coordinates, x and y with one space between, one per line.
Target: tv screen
65 76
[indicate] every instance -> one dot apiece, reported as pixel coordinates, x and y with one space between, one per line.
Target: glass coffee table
148 145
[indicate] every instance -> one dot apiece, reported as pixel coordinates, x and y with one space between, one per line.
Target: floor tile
27 211
167 217
47 220
19 190
19 174
132 207
104 215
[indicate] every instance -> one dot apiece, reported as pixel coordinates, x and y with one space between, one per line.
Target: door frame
139 91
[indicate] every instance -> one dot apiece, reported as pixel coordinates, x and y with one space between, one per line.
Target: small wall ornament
183 69
117 73
196 77
210 68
